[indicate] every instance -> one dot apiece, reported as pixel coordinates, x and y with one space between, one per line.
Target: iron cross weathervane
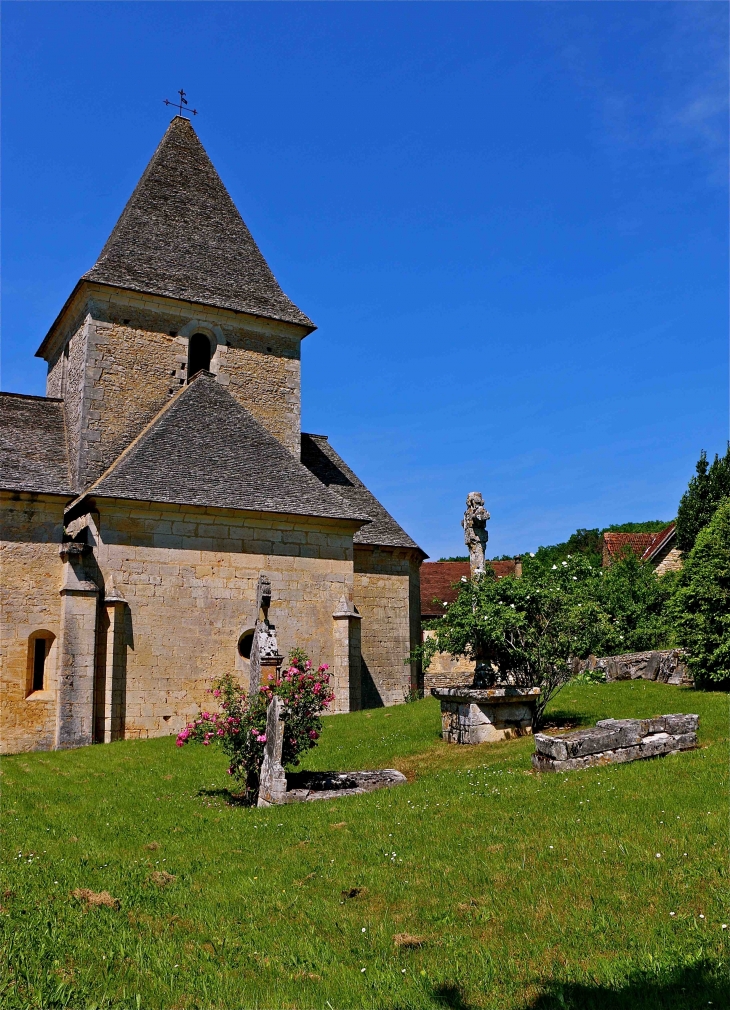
179 105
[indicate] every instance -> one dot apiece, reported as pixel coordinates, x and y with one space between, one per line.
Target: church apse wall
189 577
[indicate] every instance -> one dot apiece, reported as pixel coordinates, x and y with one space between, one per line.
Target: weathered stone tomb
613 741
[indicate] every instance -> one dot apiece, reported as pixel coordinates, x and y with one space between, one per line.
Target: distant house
440 587
657 549
439 583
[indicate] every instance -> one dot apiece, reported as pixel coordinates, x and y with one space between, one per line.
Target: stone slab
306 787
615 741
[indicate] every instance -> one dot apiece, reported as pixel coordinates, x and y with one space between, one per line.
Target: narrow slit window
198 354
40 648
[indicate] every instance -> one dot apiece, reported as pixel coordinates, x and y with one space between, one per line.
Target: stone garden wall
666 666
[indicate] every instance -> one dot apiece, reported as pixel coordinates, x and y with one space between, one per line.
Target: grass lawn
526 891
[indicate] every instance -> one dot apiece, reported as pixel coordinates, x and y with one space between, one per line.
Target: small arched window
198 354
244 644
39 647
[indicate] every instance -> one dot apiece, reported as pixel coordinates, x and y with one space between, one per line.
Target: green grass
528 891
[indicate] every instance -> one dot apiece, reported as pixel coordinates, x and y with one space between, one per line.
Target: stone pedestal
474 715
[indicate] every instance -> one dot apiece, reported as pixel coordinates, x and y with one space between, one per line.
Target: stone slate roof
440 580
205 449
319 457
180 235
33 448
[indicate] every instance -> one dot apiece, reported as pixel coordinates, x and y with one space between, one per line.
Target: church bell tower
179 286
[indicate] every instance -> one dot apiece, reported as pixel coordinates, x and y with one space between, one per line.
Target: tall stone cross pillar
475 537
346 673
266 659
77 650
272 780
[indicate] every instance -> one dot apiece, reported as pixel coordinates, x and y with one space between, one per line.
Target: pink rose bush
239 725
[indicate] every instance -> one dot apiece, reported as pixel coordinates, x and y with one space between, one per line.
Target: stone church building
164 472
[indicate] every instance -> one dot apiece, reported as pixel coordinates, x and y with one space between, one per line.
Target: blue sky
509 221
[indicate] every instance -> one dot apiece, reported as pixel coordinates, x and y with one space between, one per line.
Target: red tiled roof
438 580
643 545
660 540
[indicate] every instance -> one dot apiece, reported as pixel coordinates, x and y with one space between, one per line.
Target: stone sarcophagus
473 715
613 741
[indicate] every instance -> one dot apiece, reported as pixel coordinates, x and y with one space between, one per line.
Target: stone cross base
473 715
613 741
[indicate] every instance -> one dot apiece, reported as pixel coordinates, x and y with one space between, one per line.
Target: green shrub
701 604
634 599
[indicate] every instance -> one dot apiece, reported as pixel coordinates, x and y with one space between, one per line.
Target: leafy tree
701 604
709 486
634 598
528 629
585 542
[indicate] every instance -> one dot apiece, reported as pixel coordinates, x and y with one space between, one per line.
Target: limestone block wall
66 379
386 592
189 578
129 355
668 560
446 671
31 573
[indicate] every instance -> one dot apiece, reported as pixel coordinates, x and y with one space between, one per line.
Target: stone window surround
47 693
213 333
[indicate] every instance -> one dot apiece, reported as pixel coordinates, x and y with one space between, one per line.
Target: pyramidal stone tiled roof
204 448
33 448
181 236
319 457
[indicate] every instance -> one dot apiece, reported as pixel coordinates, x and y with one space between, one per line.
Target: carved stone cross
272 780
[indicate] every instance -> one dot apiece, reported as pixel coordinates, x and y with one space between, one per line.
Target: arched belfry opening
199 352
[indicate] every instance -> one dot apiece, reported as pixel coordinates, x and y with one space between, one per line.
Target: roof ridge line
32 396
173 399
